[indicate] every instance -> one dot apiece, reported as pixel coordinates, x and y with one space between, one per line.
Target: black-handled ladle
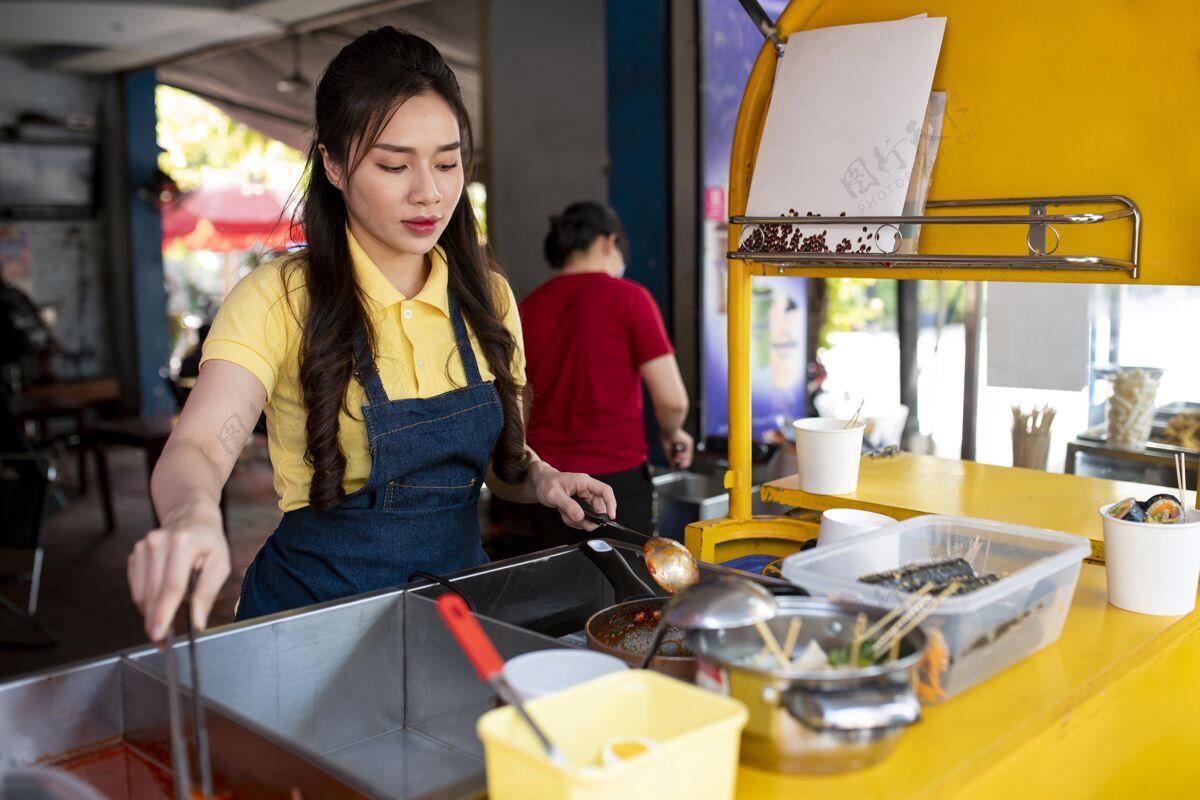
669 563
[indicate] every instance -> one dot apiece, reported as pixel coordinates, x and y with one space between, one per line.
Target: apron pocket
411 495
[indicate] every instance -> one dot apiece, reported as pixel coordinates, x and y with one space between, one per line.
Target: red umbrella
228 219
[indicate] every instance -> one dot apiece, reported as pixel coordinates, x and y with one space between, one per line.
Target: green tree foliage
202 146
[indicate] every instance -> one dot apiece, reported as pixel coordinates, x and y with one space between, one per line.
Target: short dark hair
578 227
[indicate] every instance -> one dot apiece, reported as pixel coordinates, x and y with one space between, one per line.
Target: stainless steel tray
87 706
370 696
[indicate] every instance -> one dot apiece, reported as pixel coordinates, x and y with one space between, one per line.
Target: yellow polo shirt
258 328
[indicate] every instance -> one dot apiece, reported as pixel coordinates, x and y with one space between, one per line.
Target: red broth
120 771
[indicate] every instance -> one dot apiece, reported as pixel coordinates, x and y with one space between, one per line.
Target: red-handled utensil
487 662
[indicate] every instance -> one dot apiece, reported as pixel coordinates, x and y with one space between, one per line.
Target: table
907 485
1160 456
43 407
89 391
1109 710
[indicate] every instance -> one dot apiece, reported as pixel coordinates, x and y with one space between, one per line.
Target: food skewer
897 632
789 642
1181 481
772 644
887 618
854 420
860 625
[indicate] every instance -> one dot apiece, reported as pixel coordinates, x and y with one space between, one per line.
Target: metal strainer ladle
725 601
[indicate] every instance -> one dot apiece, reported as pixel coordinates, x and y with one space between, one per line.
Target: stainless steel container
814 722
687 497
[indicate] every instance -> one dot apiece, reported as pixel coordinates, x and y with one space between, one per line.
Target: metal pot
814 722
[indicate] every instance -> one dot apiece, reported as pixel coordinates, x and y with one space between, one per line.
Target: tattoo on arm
233 434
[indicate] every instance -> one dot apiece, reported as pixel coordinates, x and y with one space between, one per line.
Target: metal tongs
180 757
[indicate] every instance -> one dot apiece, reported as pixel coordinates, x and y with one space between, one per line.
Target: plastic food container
696 735
983 632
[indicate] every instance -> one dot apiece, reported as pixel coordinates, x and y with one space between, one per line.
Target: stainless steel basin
687 497
370 695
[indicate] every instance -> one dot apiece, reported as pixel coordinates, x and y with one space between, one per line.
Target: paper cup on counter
840 524
827 455
1152 568
545 671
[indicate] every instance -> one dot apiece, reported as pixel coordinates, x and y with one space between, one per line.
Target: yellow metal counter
906 485
1110 710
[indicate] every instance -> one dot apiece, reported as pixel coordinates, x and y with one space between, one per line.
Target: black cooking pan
626 629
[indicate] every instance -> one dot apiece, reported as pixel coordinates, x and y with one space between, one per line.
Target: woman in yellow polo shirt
387 356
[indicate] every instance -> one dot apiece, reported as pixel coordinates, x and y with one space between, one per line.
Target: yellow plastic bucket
695 734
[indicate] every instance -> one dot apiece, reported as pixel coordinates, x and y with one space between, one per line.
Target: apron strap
465 351
366 373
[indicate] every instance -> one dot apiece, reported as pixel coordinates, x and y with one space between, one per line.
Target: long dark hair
355 98
577 227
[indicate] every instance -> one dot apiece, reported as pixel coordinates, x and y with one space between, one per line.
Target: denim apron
417 510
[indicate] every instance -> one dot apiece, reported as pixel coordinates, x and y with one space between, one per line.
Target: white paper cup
544 671
1152 568
827 455
840 524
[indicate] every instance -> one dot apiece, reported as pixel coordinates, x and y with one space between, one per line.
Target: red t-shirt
586 334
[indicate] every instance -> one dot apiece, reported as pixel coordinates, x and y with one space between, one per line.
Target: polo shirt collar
376 286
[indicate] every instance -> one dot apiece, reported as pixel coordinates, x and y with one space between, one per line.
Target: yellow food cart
1077 140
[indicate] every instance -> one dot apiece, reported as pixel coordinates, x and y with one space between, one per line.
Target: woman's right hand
161 566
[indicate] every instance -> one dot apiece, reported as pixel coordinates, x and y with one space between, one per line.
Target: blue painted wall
639 138
151 338
639 141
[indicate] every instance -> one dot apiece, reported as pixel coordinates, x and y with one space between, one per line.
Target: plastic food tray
985 631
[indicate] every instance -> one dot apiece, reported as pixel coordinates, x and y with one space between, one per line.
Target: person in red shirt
591 338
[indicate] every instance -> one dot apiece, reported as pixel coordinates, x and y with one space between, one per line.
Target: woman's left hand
557 490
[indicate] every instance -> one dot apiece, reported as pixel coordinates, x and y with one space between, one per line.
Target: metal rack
1038 220
1039 257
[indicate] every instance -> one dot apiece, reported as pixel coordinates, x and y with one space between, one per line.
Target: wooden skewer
894 650
1181 482
789 641
917 610
772 644
898 632
860 625
887 618
854 420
